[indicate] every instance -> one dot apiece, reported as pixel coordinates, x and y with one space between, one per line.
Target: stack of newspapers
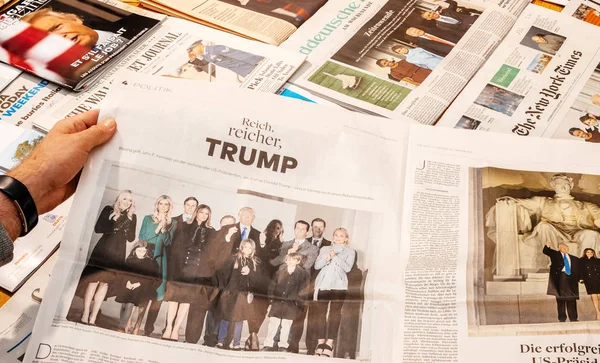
358 217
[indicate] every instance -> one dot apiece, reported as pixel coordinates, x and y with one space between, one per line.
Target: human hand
263 239
245 270
231 232
331 253
52 170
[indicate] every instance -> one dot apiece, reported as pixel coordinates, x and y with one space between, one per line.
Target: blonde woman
334 263
157 229
117 224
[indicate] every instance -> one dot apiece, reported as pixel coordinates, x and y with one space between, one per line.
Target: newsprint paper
181 49
399 57
279 197
543 80
444 250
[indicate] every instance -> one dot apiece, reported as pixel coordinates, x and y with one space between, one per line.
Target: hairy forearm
9 217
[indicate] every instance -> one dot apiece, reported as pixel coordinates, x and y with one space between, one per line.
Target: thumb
97 135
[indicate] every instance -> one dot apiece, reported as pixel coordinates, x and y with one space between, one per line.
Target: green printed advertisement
359 85
505 76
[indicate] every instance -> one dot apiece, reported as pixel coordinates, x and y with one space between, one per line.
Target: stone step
537 276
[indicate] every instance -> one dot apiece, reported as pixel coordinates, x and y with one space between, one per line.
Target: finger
97 134
77 123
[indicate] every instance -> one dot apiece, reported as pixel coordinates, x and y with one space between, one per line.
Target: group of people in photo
590 131
425 38
216 278
566 272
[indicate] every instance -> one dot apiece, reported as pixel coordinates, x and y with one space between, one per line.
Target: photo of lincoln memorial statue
529 235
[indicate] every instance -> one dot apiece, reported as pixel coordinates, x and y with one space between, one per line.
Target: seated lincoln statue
538 221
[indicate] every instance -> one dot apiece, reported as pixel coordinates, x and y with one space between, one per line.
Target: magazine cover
66 41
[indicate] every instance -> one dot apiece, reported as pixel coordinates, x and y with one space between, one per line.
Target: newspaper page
291 91
482 275
27 98
399 57
271 21
18 315
541 81
181 49
7 74
254 204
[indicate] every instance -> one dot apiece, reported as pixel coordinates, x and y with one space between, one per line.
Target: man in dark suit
563 282
309 252
318 226
189 207
453 17
244 229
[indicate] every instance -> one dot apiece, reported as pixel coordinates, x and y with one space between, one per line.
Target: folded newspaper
260 233
32 250
543 80
270 21
399 58
70 42
181 49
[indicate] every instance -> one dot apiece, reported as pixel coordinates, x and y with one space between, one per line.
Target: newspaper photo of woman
334 263
590 275
190 241
117 225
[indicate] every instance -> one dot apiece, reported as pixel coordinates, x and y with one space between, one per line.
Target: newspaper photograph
180 49
398 58
539 82
269 21
234 242
500 251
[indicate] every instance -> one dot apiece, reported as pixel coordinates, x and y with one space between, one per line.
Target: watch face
15 144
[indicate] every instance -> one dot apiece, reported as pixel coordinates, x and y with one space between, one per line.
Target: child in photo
138 286
286 293
238 279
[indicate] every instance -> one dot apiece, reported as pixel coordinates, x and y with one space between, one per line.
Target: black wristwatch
20 196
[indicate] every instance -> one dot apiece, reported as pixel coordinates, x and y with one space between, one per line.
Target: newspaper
32 250
398 58
245 165
269 21
291 91
27 98
7 75
70 42
181 49
544 88
18 315
478 228
455 245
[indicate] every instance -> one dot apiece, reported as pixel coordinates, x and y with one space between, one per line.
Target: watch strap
19 194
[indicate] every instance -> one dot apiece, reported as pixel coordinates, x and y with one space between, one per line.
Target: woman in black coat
138 286
117 224
590 275
189 259
266 250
